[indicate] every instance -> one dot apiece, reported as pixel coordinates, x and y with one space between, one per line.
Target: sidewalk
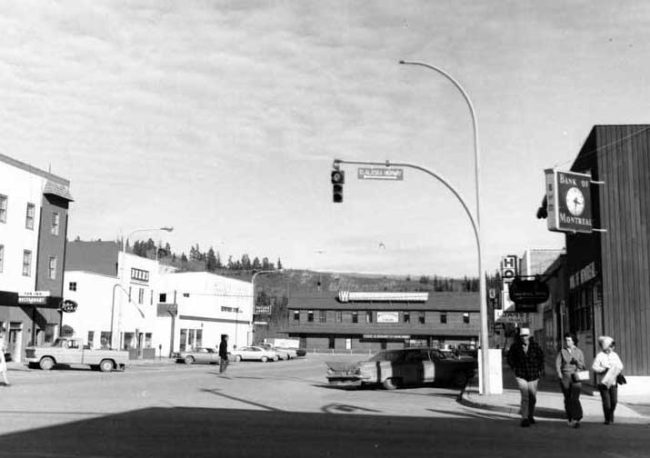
550 402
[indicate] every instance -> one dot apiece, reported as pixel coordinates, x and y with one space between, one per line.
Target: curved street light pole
484 341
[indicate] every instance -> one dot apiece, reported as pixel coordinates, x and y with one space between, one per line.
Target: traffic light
338 178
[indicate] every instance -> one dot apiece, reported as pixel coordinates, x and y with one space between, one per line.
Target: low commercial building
33 229
371 321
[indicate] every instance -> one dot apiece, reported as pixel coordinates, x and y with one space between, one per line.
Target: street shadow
205 432
346 408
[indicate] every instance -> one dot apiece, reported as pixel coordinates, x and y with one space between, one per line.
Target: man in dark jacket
223 353
526 359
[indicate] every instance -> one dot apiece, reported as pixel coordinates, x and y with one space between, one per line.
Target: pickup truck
69 351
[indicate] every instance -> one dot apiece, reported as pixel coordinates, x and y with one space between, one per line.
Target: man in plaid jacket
526 359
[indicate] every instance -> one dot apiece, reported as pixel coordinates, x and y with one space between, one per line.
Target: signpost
380 173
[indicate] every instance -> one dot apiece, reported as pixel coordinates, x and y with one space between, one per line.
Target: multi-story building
370 321
137 304
33 229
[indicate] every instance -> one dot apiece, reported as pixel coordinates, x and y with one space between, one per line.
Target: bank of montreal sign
568 201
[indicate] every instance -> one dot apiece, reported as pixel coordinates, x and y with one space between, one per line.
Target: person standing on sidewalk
569 360
3 361
607 367
223 353
526 359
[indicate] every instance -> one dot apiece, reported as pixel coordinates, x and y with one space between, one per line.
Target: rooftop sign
349 296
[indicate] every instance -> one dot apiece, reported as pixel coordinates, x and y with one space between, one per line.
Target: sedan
254 353
203 355
283 353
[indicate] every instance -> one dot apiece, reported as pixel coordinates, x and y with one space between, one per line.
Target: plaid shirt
526 365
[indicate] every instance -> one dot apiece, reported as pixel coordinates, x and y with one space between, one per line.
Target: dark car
406 367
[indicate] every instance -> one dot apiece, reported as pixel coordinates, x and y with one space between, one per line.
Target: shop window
128 340
105 339
29 219
198 341
355 317
91 339
296 315
3 208
310 316
443 318
332 343
51 268
162 297
54 230
322 316
183 341
51 332
339 316
147 340
72 286
421 318
27 263
368 317
406 317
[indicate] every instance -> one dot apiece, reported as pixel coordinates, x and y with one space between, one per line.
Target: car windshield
390 355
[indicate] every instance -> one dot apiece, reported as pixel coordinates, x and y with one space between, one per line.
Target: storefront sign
513 317
568 201
262 309
528 292
385 337
509 267
387 317
33 297
68 306
349 296
583 275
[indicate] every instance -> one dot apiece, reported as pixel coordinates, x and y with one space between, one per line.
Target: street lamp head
402 62
166 228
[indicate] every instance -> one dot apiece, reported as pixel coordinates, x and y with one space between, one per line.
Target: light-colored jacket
607 366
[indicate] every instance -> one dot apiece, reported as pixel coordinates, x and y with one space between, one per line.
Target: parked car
254 353
400 368
292 352
283 353
301 351
199 355
69 351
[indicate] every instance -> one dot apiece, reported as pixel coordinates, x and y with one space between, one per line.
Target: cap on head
524 332
605 342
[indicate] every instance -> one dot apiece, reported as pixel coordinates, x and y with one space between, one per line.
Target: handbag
580 376
620 379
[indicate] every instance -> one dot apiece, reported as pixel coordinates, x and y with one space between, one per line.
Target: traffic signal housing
338 178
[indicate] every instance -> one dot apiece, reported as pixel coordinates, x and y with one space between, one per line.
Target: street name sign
380 173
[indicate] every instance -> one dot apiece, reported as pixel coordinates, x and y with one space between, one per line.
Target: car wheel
46 363
264 359
460 379
275 358
189 360
238 358
106 365
390 383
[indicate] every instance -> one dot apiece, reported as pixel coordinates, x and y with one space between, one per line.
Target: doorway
15 341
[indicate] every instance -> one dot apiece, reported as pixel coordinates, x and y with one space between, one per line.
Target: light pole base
495 373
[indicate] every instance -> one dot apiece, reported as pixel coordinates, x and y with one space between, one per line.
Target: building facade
371 321
33 228
608 269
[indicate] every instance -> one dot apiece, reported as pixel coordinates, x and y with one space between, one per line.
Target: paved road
276 409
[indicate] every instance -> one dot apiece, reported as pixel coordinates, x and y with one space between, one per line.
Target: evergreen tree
246 262
257 265
231 264
279 264
211 261
183 258
265 263
218 261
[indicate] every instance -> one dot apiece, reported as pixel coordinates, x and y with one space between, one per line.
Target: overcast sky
221 118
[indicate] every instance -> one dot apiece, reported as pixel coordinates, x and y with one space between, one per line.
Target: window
51 332
186 294
310 316
162 297
105 339
2 258
51 268
421 318
3 208
443 318
27 263
91 339
72 286
296 315
140 295
355 317
147 340
339 316
322 316
465 317
29 220
407 317
368 317
129 294
54 230
331 344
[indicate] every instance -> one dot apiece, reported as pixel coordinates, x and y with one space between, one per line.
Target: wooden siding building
609 272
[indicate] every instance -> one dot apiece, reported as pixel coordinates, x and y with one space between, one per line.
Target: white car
283 353
254 353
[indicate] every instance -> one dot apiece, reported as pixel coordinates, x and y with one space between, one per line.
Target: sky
222 119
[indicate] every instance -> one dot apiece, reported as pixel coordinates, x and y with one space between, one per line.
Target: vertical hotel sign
568 200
